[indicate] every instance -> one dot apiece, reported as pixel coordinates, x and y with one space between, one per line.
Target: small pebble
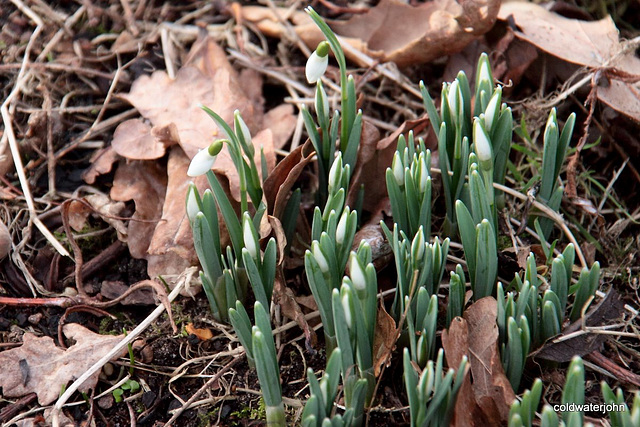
34 319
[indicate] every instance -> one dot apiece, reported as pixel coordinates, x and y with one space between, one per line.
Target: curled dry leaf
145 183
40 367
384 340
593 44
419 33
280 182
492 390
101 162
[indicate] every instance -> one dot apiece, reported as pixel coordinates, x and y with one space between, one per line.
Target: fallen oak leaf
420 33
39 366
455 342
593 44
384 340
491 387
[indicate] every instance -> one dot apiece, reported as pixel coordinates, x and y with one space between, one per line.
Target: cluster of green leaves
523 412
527 317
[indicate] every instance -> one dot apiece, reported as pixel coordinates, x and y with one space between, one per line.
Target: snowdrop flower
192 202
203 161
319 256
248 237
317 62
483 145
357 274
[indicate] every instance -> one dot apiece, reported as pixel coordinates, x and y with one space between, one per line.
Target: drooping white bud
317 62
356 273
203 161
248 237
319 256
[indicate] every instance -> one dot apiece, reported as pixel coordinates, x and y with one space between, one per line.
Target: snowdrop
203 161
317 62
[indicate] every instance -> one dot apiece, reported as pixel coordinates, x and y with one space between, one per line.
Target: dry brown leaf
113 289
384 340
5 240
279 182
173 232
145 183
109 210
455 342
202 334
132 139
40 367
282 122
492 390
101 162
593 44
78 214
208 79
420 33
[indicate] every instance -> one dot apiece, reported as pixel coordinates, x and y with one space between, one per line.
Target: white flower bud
319 256
485 72
356 273
317 62
423 174
335 173
203 161
247 235
192 202
454 98
347 310
483 145
417 246
398 170
341 229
